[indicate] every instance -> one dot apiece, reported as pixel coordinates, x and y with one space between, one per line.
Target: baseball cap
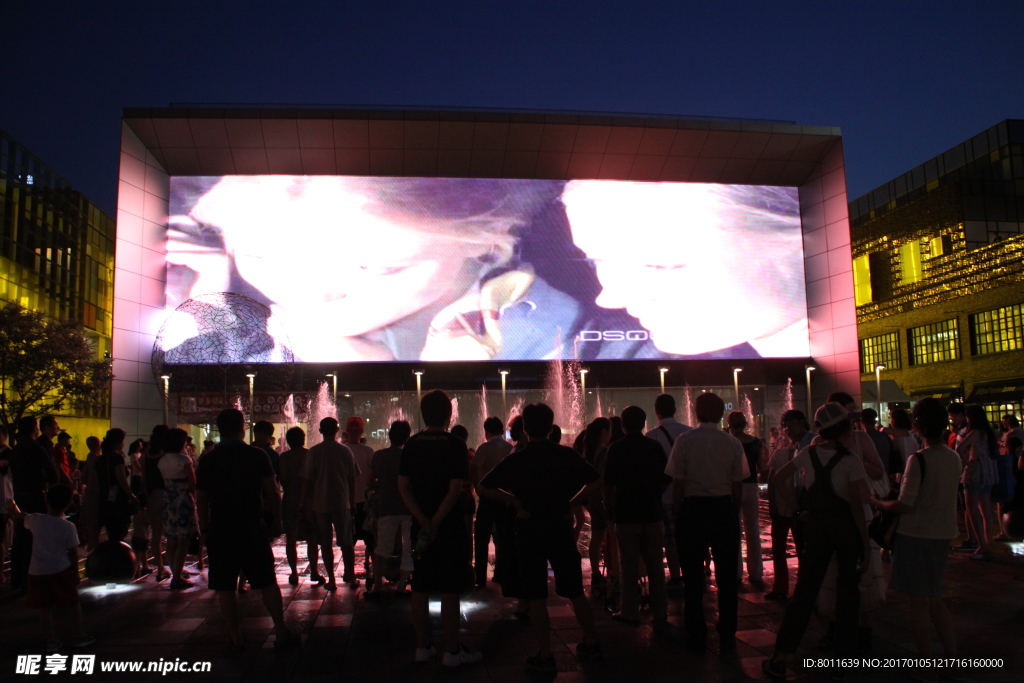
830 414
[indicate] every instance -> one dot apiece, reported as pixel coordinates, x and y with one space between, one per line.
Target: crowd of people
660 507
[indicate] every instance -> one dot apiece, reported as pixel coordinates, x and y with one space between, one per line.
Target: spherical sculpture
111 562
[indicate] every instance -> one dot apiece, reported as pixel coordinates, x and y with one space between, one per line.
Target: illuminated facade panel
998 330
881 350
934 343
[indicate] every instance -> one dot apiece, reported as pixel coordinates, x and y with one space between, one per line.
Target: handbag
882 529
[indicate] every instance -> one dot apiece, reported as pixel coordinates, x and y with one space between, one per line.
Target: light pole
662 372
504 404
252 404
419 395
808 369
167 394
878 390
583 394
736 386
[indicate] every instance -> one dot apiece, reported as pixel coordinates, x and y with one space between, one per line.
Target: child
53 571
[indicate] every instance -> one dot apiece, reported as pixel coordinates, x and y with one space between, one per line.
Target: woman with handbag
978 453
927 523
118 503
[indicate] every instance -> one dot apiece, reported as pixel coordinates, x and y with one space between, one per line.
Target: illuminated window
998 330
862 280
881 350
910 263
940 246
934 343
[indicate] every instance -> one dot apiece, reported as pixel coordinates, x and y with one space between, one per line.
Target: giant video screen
275 268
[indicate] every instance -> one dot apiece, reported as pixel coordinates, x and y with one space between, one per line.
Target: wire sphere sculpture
220 329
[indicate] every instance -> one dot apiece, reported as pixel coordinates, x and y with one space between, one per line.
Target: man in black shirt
262 434
231 484
431 471
543 482
32 473
635 480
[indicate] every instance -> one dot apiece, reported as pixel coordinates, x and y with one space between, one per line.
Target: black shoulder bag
882 529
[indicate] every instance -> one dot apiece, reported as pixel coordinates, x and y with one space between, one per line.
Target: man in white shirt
489 513
708 467
665 433
363 454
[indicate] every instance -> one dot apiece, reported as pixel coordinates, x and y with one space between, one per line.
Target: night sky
904 80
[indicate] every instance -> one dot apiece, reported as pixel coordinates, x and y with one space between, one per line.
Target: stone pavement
347 638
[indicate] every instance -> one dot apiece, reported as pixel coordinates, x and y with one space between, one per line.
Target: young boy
53 570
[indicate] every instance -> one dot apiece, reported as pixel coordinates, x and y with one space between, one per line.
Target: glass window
861 280
934 343
998 330
910 263
881 350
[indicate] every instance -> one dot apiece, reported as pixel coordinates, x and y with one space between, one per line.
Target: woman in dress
595 451
178 522
978 451
89 515
117 499
154 484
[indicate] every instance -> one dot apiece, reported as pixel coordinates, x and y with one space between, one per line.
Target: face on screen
317 249
363 268
702 267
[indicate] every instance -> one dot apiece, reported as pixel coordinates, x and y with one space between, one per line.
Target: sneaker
82 641
591 651
425 654
542 664
463 656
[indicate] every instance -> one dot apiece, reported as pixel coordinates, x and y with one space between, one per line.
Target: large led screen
338 268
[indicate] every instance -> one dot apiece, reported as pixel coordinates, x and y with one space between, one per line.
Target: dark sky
904 80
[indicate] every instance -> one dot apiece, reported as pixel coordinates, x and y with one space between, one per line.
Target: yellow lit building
938 257
56 257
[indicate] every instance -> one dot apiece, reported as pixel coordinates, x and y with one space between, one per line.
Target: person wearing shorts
432 468
231 484
53 569
543 482
394 523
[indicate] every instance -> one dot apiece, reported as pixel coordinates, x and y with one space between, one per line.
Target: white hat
829 415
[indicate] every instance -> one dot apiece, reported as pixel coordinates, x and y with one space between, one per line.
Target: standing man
665 433
708 468
32 473
394 521
883 443
542 482
363 454
635 480
489 514
798 436
232 482
430 474
262 436
329 492
48 431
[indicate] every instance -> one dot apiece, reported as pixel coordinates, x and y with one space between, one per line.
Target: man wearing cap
708 467
833 508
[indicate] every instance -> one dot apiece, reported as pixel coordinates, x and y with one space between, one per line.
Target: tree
46 364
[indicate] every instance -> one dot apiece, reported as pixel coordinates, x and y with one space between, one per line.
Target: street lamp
583 393
167 395
252 404
808 369
878 390
662 371
736 385
419 395
504 406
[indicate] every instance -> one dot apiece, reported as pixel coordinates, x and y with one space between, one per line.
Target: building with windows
938 257
56 257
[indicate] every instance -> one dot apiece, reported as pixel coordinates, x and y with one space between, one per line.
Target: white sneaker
463 656
425 654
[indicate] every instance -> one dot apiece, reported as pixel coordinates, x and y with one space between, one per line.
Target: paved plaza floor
348 638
